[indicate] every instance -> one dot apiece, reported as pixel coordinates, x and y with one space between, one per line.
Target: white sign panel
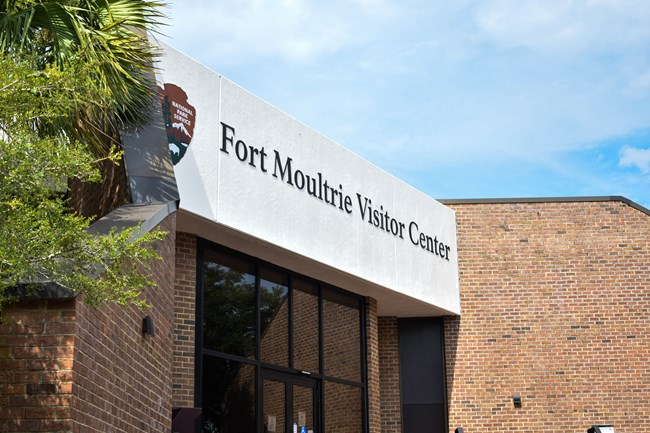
246 165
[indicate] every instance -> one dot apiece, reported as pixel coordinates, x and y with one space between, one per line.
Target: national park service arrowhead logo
179 118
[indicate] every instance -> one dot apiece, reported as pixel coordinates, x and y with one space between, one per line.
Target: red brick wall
184 316
122 379
66 367
373 358
36 348
391 403
554 299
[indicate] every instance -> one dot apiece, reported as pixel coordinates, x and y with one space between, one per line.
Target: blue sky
461 99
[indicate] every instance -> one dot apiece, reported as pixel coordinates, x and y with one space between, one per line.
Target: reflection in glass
318 325
228 304
274 406
303 407
274 316
343 408
305 326
341 336
228 396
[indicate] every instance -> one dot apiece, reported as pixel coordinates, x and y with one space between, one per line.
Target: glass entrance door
289 403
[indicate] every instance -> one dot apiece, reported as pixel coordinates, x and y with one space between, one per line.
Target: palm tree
109 36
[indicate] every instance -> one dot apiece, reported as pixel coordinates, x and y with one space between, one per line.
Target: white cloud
565 25
422 84
242 31
635 157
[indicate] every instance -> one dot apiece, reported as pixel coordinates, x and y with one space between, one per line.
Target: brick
11 413
40 412
122 380
184 308
22 425
391 403
549 318
63 364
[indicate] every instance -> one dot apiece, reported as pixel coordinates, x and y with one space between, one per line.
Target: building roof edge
618 198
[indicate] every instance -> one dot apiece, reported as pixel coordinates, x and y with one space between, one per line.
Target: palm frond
108 35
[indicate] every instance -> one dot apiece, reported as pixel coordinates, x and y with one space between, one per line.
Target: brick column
122 378
391 402
184 321
36 351
374 414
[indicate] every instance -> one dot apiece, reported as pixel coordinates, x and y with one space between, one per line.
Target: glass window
305 326
341 336
274 406
343 408
262 329
228 396
228 304
274 317
303 408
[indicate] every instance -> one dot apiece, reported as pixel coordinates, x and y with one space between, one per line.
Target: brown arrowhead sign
179 118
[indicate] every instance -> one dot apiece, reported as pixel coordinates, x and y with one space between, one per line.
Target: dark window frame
262 368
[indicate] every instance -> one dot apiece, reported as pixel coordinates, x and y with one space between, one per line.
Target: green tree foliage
40 238
72 74
109 36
